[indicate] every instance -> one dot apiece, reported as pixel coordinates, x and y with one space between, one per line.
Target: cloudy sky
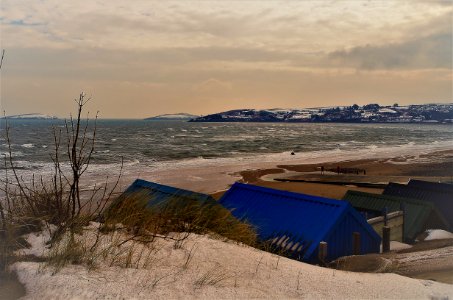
142 58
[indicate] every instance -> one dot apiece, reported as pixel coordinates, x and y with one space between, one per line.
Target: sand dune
208 268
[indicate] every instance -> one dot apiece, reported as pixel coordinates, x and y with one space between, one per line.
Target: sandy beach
435 166
215 176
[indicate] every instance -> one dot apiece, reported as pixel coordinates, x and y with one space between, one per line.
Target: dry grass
127 238
93 248
138 212
18 221
212 277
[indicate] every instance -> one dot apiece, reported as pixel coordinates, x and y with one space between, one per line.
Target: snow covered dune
212 269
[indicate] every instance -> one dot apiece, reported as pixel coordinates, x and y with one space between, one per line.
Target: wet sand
400 169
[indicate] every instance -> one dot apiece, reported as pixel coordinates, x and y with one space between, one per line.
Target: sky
137 59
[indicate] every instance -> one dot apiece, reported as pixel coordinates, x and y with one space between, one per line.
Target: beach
216 178
378 171
326 173
236 271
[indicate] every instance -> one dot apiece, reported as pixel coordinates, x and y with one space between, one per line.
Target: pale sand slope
217 270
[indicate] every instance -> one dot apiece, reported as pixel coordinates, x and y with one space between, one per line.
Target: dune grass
144 214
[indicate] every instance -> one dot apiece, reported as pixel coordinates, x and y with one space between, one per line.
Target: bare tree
57 199
2 212
1 60
80 149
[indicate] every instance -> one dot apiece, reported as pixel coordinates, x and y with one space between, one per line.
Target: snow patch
438 234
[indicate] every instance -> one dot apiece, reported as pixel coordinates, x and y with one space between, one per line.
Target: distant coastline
30 116
370 113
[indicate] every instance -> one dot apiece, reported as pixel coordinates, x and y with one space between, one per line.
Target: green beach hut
418 215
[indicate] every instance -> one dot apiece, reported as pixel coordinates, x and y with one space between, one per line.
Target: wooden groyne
358 184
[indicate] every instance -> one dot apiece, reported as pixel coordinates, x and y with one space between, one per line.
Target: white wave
132 163
321 156
172 170
28 145
12 154
103 151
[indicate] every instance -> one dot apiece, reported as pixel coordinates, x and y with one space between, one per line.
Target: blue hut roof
299 222
159 193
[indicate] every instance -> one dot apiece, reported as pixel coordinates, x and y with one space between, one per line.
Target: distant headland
173 117
370 113
31 116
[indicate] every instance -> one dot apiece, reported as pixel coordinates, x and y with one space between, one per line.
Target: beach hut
298 223
441 199
158 196
418 215
435 186
160 193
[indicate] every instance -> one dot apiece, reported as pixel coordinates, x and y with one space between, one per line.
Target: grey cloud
447 3
58 60
434 51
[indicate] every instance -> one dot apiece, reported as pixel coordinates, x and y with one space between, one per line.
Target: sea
150 147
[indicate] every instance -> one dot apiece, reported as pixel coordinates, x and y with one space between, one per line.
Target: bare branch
1 60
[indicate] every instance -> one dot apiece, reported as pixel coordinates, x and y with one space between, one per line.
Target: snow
208 268
37 240
387 110
438 234
428 256
279 110
395 245
31 116
307 116
368 114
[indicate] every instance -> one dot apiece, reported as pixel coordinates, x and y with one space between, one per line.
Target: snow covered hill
32 116
370 113
169 117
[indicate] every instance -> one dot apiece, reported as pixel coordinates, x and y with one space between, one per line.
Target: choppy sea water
158 145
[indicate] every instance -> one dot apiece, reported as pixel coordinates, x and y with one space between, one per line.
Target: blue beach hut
159 197
297 223
159 193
